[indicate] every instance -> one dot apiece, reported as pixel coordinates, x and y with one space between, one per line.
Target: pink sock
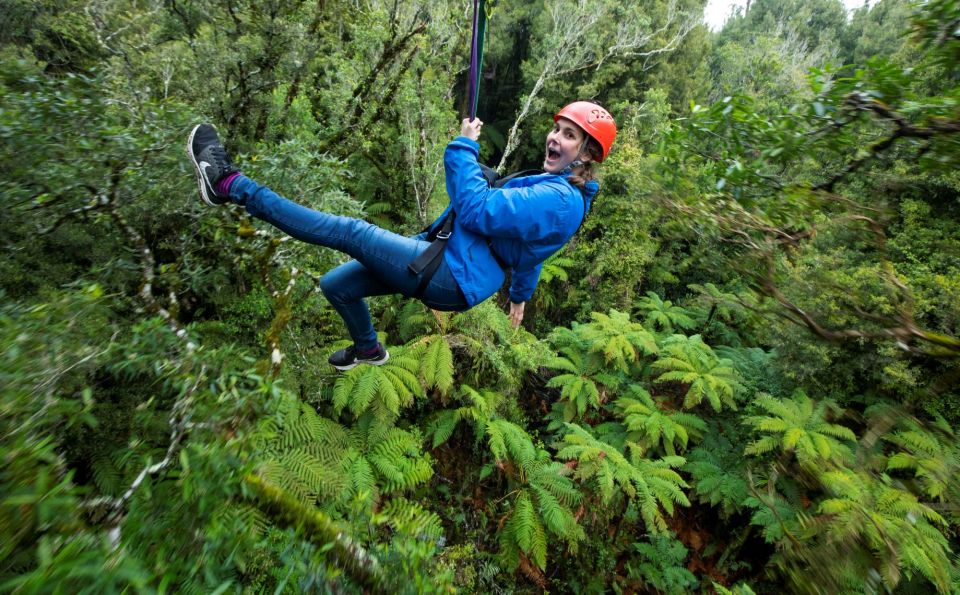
223 186
370 351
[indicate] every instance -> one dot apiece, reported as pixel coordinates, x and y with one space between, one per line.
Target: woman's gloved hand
471 129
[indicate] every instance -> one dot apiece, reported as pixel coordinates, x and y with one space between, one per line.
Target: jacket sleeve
522 284
527 213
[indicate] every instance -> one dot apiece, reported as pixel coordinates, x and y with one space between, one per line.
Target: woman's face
563 145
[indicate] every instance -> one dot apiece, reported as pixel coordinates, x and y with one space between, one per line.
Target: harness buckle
443 235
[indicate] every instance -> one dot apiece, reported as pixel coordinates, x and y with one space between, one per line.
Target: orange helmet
595 121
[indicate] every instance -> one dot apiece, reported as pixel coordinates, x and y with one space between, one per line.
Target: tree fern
577 383
524 532
690 361
107 475
437 365
320 461
799 426
652 483
652 426
663 315
396 454
620 341
889 523
754 365
931 452
410 518
718 310
553 268
399 461
776 516
304 453
717 471
509 441
659 565
542 496
415 320
478 408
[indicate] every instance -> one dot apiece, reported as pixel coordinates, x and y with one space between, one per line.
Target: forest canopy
742 374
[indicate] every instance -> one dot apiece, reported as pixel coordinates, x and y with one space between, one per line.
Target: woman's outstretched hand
471 129
516 314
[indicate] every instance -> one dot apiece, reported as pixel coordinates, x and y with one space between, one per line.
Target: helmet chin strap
583 147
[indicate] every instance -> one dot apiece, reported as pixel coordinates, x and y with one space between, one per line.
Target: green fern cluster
321 461
478 408
653 426
871 514
653 484
690 361
662 315
717 470
660 565
595 360
800 426
383 390
931 452
543 497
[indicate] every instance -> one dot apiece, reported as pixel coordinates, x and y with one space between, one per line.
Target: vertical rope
476 55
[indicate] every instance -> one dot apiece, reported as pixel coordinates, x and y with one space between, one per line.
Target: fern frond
411 519
509 441
526 530
436 367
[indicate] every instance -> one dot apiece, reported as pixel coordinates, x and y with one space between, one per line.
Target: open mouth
552 154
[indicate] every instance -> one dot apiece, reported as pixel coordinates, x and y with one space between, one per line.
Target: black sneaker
347 359
211 161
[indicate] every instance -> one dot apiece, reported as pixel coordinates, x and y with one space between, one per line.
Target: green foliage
411 518
663 315
889 523
929 451
579 384
691 362
651 425
801 427
322 462
542 498
717 471
652 483
381 390
620 341
661 565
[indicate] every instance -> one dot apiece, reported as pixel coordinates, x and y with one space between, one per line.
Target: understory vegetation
742 375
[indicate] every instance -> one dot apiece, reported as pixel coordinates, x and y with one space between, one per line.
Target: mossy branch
317 528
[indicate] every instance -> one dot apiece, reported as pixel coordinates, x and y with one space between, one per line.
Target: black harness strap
425 265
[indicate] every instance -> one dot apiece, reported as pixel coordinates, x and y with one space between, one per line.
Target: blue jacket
525 222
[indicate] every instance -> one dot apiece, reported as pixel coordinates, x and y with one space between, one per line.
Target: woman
517 226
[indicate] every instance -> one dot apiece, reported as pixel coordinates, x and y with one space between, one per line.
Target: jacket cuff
467 143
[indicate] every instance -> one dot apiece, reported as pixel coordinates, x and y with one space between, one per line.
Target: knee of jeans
331 288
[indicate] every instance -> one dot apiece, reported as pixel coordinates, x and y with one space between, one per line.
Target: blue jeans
380 265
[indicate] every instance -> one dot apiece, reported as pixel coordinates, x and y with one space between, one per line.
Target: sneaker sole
196 166
378 362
